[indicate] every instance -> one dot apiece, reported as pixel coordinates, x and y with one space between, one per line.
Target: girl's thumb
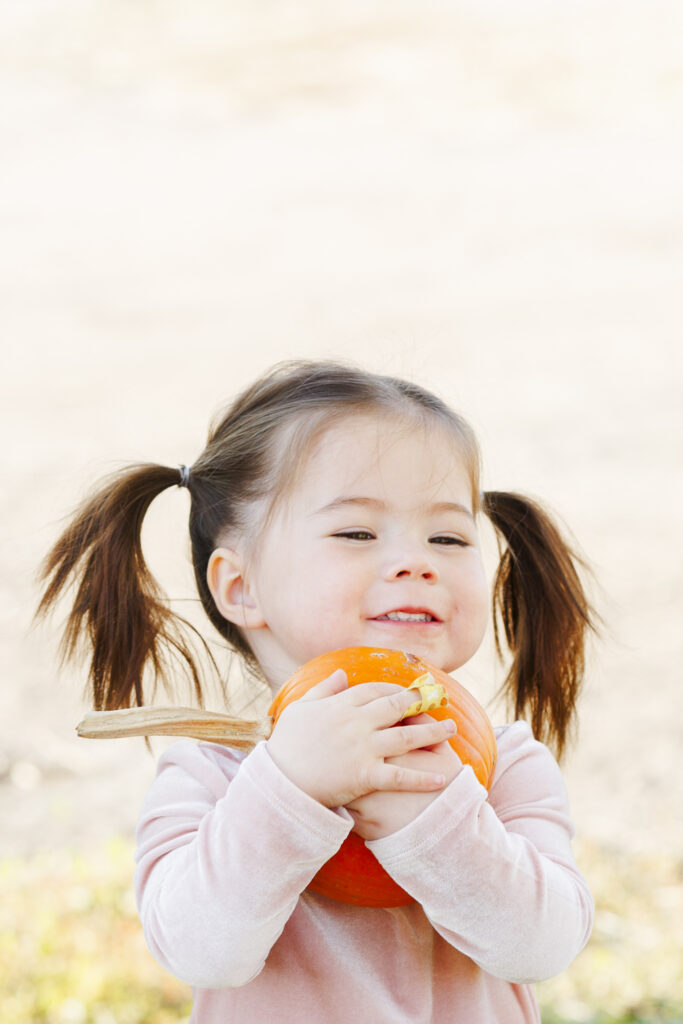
328 687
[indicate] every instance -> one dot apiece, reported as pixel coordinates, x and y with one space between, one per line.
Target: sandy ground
486 201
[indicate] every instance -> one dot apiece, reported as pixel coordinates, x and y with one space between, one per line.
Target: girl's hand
332 743
380 814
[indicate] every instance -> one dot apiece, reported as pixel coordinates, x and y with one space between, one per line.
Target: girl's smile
375 545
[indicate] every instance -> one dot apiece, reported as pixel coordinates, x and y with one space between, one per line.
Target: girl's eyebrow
375 503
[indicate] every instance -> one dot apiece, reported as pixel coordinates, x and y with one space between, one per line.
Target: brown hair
251 456
541 608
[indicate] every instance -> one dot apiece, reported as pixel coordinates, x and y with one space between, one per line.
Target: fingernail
450 725
439 780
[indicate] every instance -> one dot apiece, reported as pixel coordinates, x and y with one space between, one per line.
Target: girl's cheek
480 595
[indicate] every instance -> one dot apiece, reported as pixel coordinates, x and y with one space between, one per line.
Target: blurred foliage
632 968
71 947
72 952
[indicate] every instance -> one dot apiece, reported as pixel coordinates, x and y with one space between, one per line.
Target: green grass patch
71 946
631 971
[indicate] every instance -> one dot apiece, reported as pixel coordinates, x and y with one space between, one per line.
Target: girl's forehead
382 453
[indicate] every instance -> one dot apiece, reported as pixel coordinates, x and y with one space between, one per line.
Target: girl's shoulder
192 751
517 739
525 765
210 764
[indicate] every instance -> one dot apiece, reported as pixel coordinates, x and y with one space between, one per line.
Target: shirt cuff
431 825
329 824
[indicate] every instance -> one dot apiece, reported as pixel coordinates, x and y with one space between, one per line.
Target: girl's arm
494 872
225 847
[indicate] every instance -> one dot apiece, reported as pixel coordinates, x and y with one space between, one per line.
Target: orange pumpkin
353 874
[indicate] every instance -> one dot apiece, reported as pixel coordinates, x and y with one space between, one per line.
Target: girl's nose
411 565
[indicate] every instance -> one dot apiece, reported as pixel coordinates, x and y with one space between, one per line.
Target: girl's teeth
408 617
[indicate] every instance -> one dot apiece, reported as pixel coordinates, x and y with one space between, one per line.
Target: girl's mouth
406 616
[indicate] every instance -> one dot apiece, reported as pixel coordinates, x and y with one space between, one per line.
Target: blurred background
482 197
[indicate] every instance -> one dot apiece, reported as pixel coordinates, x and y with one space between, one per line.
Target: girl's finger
401 738
335 683
366 693
398 779
390 709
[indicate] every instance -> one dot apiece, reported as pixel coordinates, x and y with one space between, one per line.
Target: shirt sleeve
494 872
225 847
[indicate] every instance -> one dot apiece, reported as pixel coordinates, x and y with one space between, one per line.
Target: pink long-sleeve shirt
227 845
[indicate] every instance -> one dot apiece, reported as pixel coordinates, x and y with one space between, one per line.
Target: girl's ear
230 590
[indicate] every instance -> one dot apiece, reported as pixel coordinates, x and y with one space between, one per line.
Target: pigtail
118 611
540 606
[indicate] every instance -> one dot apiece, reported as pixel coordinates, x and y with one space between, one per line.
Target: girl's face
377 546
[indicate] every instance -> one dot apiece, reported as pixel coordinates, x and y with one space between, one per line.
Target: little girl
334 508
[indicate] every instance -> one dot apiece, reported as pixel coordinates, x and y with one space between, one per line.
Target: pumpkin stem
210 726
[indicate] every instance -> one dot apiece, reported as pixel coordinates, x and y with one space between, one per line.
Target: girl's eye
448 538
356 535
